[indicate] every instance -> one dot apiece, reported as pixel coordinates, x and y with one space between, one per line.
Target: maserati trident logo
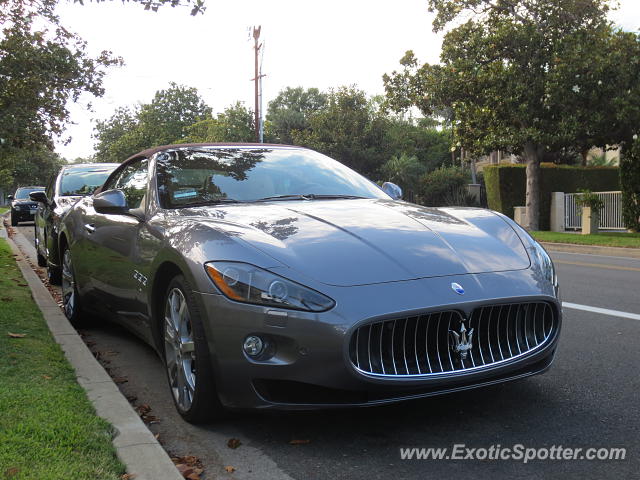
462 341
456 287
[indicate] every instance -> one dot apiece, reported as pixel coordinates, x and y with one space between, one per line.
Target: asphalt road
589 398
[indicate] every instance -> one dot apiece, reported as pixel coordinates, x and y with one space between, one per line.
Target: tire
14 220
42 261
186 355
71 301
54 275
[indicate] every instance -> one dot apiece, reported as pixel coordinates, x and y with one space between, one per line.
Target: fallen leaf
120 380
17 335
234 443
10 472
299 442
229 469
190 459
193 476
46 377
128 476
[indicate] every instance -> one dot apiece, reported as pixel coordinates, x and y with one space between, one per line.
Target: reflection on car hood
355 242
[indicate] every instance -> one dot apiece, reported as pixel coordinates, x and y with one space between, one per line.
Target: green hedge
506 185
630 181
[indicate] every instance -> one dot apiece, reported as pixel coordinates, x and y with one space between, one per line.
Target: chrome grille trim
415 346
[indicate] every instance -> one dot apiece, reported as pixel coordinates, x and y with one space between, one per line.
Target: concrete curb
592 250
135 445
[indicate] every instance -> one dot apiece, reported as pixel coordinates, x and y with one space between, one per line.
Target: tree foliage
290 112
630 182
235 124
43 66
348 129
527 76
166 119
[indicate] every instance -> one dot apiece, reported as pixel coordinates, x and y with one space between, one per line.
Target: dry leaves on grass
16 335
234 443
10 472
190 467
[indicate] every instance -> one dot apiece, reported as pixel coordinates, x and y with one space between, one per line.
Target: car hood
23 201
357 242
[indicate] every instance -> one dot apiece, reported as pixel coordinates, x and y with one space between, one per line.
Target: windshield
23 193
200 175
83 181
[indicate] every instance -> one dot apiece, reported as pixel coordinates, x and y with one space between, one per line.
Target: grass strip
605 239
48 427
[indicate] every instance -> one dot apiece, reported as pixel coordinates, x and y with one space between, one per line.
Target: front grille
426 344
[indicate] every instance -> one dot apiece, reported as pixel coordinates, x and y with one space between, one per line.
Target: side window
51 186
132 180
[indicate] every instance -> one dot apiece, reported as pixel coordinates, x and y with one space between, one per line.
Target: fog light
253 345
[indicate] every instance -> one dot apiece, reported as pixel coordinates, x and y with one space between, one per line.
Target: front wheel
70 297
186 356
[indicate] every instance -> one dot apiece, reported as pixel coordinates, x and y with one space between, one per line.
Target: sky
310 44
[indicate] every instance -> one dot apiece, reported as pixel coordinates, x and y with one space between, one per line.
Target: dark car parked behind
22 207
65 188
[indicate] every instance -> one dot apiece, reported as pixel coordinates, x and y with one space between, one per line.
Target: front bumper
23 214
311 367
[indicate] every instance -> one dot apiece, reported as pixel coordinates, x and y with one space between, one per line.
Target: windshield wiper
305 196
211 202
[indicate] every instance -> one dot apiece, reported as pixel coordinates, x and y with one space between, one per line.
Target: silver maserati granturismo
269 276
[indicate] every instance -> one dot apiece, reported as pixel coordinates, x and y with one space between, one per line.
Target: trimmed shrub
438 186
630 182
506 185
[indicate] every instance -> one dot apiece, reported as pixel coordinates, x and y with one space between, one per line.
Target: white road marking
604 311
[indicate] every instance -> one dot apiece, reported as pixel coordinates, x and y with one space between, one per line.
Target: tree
163 121
348 129
405 171
42 67
29 167
290 111
630 183
235 124
505 74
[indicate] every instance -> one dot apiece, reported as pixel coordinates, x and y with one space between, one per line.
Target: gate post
557 212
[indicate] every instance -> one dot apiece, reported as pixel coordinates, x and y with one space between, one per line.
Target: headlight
249 284
541 258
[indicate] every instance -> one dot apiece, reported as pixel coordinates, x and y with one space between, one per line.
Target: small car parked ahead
22 207
65 188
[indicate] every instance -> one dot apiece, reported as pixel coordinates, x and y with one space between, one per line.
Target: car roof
86 165
150 151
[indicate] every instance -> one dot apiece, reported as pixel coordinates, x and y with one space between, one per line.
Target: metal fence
610 215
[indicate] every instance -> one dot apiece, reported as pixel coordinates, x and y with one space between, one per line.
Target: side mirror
110 202
9 197
39 197
393 190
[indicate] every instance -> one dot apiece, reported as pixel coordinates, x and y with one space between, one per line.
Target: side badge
456 287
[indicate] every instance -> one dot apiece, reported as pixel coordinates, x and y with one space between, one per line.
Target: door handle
90 227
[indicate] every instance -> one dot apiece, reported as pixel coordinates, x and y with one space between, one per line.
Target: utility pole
258 83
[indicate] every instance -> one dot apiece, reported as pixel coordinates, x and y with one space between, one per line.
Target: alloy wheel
69 299
179 349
